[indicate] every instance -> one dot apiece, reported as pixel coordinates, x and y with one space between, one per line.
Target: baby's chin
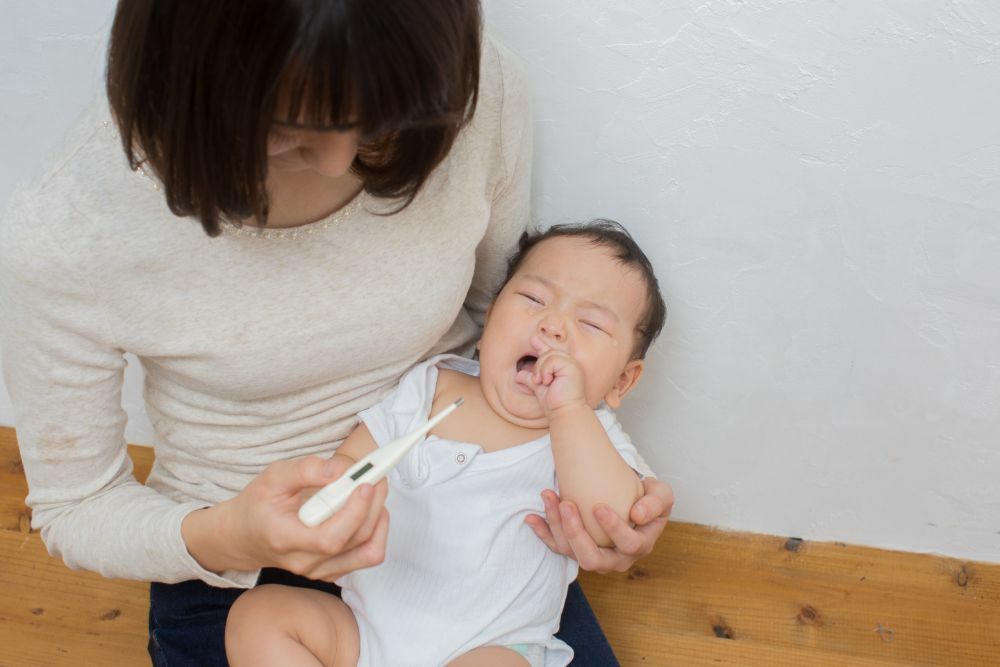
526 422
528 415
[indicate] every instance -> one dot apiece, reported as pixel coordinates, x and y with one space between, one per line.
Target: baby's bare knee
490 656
255 612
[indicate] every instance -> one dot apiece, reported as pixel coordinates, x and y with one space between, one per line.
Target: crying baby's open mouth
526 363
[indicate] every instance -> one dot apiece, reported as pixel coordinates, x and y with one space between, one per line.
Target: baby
465 580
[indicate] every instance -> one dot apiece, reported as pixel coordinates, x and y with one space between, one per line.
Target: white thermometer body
369 470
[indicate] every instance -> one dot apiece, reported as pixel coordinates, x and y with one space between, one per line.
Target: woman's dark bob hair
195 86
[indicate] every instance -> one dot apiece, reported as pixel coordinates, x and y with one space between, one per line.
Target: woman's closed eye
281 138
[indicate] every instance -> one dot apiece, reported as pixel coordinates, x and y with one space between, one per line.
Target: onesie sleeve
406 407
510 207
623 443
64 371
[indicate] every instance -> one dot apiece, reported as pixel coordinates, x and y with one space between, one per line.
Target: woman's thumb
312 471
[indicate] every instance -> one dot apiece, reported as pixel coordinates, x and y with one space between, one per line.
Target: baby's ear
626 381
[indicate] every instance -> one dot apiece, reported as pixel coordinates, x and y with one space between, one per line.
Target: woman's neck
300 197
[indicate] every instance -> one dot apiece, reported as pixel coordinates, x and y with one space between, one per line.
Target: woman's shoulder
499 132
503 107
502 78
86 174
82 198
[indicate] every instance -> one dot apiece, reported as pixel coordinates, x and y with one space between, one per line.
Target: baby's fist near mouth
556 378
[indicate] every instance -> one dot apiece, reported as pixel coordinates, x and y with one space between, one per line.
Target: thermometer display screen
362 471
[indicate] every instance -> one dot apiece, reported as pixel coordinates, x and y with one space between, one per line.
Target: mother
343 182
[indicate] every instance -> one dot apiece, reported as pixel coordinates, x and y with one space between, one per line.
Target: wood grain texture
710 597
704 597
51 615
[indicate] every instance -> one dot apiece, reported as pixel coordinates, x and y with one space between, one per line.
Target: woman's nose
332 153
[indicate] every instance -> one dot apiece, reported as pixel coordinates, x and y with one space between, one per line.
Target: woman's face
329 151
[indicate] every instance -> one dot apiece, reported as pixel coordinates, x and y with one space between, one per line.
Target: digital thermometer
369 470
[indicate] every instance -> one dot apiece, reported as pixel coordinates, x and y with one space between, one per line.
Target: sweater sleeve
64 373
510 209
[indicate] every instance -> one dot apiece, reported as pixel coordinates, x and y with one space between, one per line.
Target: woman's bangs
336 85
316 95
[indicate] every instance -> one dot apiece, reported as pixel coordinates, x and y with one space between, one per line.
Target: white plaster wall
817 185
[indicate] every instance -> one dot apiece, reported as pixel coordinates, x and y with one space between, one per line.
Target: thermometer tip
459 402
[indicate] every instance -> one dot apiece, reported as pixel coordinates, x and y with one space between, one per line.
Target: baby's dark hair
608 234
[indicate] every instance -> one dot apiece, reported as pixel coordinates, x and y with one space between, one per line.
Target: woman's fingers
337 540
554 519
266 530
563 532
627 540
367 554
375 509
656 503
289 477
590 556
333 535
541 529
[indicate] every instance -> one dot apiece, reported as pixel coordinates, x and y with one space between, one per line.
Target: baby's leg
288 626
490 656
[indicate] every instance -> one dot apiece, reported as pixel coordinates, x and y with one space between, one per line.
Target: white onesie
462 569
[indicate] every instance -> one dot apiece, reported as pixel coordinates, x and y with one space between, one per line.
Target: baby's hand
557 378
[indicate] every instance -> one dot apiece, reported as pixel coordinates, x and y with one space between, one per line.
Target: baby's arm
589 469
357 445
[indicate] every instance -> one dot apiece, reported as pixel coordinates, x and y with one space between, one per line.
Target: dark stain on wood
637 573
721 629
37 611
964 576
15 467
793 544
886 634
111 614
809 616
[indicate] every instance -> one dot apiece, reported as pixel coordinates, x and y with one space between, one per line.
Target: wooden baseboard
704 597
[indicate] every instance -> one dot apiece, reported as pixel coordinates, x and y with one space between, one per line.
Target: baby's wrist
347 458
569 411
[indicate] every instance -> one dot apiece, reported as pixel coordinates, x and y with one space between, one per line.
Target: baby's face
577 298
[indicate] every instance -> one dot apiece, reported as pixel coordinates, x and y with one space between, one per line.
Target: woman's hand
260 526
562 529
